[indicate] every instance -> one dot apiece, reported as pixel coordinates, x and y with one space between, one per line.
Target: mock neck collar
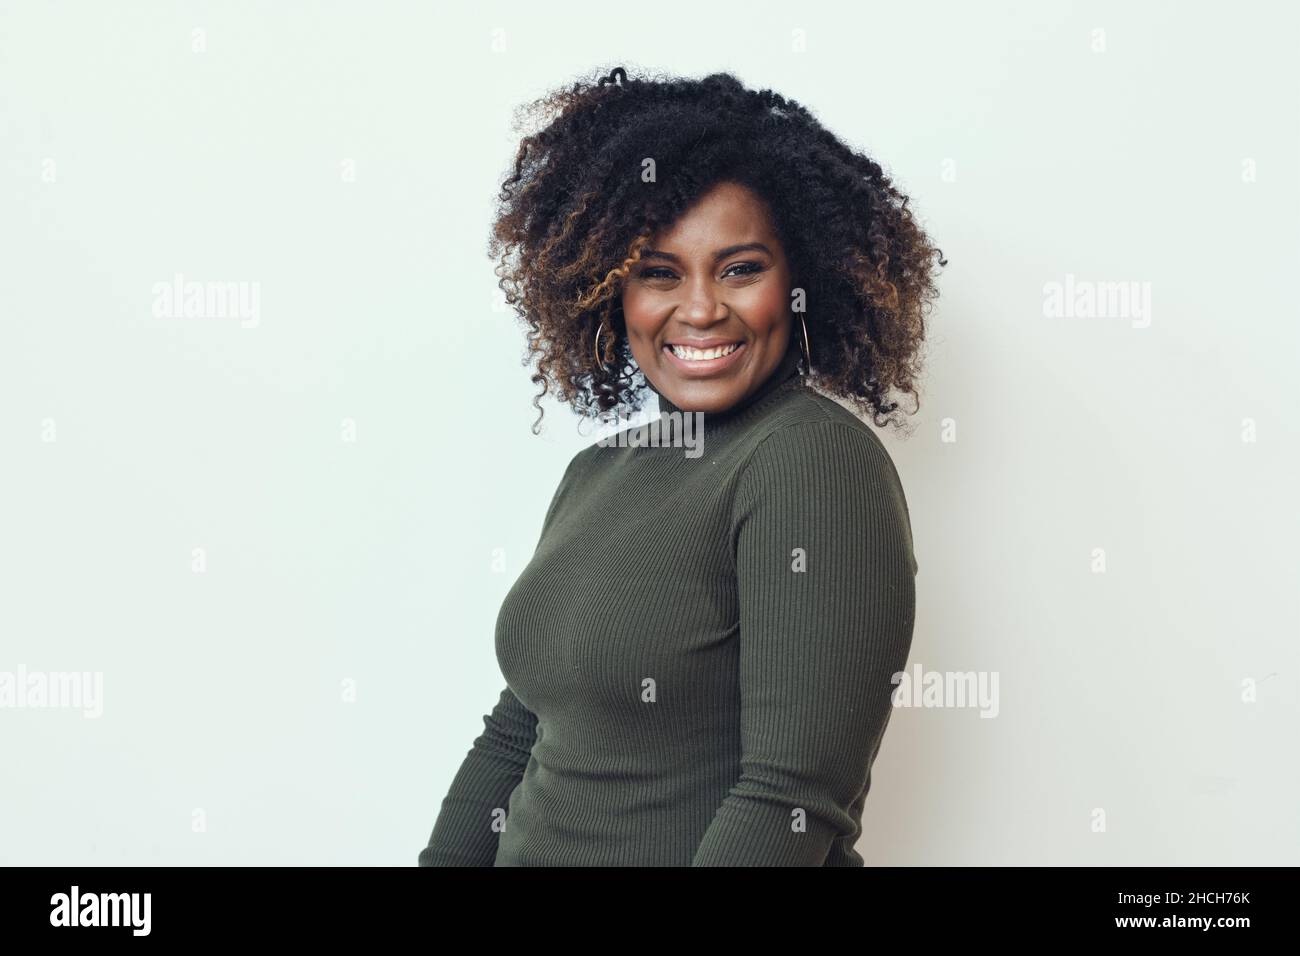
786 373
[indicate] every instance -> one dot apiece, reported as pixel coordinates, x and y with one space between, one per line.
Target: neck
786 373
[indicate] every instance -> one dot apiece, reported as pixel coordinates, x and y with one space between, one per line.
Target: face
707 307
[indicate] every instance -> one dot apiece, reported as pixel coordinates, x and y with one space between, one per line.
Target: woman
699 655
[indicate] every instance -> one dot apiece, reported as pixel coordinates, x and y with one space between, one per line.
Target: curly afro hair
575 212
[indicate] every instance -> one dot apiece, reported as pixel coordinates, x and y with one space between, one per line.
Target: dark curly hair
576 211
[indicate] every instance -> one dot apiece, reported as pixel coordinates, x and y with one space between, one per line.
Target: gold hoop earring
807 352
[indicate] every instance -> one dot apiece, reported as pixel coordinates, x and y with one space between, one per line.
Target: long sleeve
473 811
465 833
825 577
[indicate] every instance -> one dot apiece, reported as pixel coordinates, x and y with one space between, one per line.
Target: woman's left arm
826 583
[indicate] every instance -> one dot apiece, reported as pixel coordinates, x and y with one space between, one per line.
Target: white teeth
702 355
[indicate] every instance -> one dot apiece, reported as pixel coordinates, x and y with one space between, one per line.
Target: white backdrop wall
279 539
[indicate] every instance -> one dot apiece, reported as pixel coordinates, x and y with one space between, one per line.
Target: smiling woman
700 656
608 180
710 325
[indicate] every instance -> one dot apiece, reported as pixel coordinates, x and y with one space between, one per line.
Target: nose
702 307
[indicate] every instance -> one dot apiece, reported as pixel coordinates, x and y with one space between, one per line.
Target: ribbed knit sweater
699 655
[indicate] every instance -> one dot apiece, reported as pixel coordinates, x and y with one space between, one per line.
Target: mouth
704 361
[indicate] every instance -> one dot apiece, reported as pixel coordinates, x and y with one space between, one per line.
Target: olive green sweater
699 655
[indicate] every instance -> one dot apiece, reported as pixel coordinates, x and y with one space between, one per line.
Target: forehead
727 210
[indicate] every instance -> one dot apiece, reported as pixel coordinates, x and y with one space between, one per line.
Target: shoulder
816 464
812 433
579 463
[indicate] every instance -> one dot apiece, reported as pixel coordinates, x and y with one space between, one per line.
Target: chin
708 401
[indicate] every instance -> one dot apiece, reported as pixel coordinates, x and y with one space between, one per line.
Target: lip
710 343
708 366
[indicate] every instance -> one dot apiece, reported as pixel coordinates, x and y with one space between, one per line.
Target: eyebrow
717 256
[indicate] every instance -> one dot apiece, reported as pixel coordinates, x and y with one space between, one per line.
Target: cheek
768 302
638 319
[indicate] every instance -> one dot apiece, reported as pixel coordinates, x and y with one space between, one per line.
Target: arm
465 833
819 647
466 830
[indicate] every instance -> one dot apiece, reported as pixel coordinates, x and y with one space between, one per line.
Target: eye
657 272
747 268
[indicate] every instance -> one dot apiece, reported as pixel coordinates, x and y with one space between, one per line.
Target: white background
127 156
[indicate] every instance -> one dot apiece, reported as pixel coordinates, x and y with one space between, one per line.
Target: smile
703 355
709 361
